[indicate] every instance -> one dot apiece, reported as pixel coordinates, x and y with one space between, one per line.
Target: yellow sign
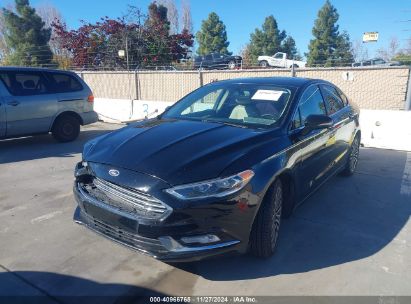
370 37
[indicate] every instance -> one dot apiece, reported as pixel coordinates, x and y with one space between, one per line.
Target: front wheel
263 64
266 226
353 156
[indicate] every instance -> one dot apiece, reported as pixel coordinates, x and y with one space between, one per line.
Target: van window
63 83
24 83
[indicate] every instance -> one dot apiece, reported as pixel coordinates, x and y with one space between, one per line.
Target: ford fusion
216 172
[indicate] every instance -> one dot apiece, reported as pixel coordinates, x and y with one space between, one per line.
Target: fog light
201 239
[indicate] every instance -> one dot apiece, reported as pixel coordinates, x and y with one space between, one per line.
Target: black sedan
217 61
217 171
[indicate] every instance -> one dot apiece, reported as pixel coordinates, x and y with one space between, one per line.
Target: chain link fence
371 88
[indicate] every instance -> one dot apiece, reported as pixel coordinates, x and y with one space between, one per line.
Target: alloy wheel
278 198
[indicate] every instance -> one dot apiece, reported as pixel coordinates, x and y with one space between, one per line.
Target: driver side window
311 103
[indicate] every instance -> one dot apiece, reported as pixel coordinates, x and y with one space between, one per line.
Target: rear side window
332 99
343 97
312 103
25 83
64 83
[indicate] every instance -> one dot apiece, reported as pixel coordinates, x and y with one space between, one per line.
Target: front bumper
162 240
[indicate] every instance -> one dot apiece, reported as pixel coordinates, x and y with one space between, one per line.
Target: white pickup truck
279 60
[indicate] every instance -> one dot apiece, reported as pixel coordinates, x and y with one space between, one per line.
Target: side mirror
316 122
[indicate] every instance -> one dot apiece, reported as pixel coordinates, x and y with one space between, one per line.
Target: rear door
30 105
2 110
219 61
72 94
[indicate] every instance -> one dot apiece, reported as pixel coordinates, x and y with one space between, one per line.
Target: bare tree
186 18
359 51
172 14
391 50
50 14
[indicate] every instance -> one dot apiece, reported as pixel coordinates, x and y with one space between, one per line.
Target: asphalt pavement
352 237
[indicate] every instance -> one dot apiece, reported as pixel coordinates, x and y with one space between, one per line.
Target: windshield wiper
225 123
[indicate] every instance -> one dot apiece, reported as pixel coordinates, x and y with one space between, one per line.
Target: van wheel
266 226
66 128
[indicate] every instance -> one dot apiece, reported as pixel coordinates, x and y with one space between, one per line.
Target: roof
286 81
30 69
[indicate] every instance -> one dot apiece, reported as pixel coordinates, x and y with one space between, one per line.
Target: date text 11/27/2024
203 299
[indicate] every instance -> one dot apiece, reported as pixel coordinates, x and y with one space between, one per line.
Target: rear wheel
231 65
353 156
266 226
66 128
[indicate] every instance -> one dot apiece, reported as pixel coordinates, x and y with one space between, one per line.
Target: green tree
403 58
213 36
157 43
267 40
288 46
343 55
326 37
26 36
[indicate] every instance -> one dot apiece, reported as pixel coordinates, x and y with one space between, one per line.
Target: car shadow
43 146
48 287
348 219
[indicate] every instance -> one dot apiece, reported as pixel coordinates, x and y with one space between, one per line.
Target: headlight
213 188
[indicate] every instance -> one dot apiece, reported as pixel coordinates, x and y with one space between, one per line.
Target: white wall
386 129
123 110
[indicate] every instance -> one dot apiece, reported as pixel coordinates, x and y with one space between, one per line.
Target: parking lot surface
352 237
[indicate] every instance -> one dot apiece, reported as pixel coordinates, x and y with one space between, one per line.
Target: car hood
178 151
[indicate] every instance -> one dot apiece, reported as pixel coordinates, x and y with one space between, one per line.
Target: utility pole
128 68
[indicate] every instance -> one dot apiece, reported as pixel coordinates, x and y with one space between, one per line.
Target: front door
29 105
316 147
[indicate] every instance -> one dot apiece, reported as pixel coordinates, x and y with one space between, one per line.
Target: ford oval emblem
114 172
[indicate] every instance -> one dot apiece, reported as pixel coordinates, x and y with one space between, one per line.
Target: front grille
135 203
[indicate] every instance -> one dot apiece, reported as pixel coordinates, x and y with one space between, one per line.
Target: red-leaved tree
96 46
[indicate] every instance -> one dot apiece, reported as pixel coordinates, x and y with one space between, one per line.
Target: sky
241 17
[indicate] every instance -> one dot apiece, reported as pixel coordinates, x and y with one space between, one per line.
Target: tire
266 226
231 65
66 128
264 64
295 66
352 159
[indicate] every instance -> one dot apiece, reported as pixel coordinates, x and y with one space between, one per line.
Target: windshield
254 105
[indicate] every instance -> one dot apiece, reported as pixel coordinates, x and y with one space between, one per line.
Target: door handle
13 103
